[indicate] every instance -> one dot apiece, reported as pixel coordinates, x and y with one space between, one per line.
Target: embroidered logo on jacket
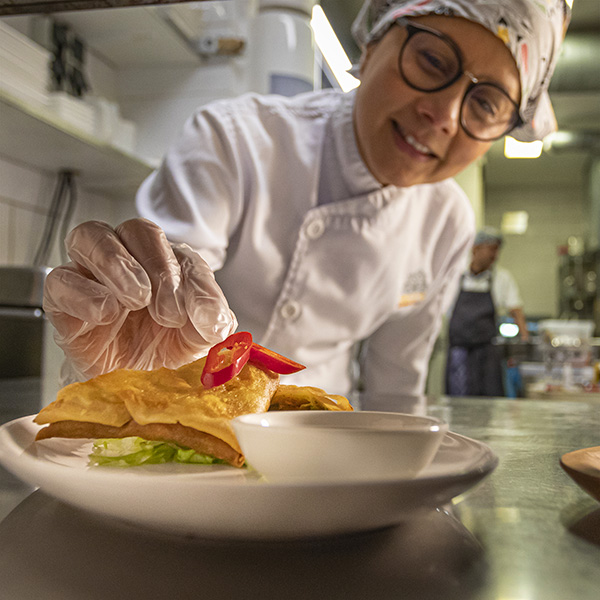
414 289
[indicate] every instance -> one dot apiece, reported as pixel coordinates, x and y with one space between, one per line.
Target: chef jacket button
315 229
290 310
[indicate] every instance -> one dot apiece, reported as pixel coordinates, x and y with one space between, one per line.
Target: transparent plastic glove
130 299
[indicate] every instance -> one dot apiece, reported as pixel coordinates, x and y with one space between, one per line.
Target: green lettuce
136 451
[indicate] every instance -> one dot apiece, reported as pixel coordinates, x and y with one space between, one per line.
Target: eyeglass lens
430 63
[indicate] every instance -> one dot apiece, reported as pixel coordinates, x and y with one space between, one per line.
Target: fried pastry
164 404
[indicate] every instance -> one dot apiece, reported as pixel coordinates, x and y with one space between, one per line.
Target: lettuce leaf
136 451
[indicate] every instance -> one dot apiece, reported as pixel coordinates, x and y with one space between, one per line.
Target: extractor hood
22 7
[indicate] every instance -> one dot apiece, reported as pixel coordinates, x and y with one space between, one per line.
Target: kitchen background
141 71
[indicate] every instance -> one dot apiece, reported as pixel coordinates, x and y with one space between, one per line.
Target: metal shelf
33 135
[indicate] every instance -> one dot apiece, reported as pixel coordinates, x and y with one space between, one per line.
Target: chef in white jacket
330 220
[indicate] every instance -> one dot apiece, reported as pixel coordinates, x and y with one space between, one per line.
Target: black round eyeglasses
429 62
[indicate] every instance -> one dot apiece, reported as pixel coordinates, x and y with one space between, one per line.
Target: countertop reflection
540 531
528 532
52 551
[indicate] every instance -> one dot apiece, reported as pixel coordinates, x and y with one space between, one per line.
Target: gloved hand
130 299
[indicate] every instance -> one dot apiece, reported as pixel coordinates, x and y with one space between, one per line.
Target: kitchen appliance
281 48
29 358
567 350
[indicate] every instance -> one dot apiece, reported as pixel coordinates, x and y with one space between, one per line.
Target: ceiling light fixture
332 50
515 149
515 222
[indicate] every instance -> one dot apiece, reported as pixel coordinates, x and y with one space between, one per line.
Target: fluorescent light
515 149
515 222
332 50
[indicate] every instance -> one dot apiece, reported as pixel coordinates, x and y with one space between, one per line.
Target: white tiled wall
158 99
26 192
25 196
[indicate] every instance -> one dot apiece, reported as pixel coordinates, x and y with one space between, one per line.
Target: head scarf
532 30
488 235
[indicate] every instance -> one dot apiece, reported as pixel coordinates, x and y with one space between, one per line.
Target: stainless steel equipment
29 358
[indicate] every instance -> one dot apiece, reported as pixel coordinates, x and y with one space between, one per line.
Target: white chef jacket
504 288
311 266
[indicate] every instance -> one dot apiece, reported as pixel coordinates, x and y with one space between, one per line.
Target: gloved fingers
148 244
70 293
205 302
97 249
93 350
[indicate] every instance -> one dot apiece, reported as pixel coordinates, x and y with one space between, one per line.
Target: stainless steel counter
526 533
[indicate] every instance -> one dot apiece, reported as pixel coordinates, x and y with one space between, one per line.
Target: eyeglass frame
413 29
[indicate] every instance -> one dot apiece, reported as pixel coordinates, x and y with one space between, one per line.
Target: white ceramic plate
230 503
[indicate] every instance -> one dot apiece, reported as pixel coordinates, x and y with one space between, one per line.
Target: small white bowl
333 446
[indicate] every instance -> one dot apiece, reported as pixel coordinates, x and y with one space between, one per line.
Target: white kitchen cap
488 235
533 31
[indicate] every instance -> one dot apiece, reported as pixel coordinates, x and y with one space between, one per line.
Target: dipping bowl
333 446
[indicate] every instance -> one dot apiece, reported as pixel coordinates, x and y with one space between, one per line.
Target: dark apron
474 366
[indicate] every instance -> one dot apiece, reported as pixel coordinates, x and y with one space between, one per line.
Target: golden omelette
164 404
172 405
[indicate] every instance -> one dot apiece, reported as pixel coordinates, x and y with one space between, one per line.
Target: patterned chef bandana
531 29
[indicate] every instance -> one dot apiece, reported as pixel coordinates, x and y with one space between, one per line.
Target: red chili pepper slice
226 359
263 357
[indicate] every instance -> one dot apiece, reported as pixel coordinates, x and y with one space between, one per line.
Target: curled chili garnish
228 358
263 357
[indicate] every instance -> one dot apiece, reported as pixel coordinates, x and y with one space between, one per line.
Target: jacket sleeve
505 291
394 360
196 194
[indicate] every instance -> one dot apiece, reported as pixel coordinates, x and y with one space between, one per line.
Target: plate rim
485 464
396 499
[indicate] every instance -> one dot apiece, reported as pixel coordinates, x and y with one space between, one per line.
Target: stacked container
24 67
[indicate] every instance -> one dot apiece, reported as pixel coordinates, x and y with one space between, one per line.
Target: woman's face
408 137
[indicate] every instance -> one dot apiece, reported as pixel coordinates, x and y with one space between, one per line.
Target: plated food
226 503
191 407
219 501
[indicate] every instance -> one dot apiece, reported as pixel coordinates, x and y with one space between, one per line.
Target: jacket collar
356 176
